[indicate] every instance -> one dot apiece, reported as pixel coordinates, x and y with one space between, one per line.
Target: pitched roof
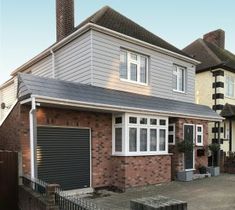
91 95
210 55
111 19
228 110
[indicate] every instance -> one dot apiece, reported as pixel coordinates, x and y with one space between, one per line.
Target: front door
189 136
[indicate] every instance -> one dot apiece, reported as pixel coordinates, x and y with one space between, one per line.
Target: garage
63 156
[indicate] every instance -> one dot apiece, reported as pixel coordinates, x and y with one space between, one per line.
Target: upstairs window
179 78
133 67
229 86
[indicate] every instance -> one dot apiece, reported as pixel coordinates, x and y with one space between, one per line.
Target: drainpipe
53 63
32 126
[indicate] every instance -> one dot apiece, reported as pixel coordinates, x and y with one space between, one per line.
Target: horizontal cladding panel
106 56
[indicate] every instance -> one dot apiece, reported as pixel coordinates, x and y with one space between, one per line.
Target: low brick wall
29 200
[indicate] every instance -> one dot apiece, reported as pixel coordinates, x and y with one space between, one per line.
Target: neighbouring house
104 106
215 78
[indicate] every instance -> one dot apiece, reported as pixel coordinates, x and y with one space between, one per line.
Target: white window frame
138 63
228 79
125 132
176 72
172 133
199 134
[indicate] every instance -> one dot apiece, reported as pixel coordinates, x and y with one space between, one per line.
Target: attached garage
63 156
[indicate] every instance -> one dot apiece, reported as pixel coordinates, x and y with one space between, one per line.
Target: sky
27 27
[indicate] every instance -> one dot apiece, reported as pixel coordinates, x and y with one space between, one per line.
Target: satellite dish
3 105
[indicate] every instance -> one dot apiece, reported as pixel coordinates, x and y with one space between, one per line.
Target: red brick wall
141 170
9 131
177 158
107 170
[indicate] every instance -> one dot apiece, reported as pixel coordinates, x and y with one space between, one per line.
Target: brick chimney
216 37
64 18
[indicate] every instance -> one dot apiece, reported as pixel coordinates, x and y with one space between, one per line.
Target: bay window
140 135
133 67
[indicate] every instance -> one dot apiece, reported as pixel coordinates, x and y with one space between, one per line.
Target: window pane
143 69
199 139
171 128
153 121
133 72
123 65
133 56
143 139
133 120
162 122
118 120
143 121
181 79
171 139
153 139
199 129
175 78
162 146
118 139
132 139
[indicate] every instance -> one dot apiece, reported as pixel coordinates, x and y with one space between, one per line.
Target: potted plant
202 169
214 170
185 147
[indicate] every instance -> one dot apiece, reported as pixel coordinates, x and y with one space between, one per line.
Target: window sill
178 91
133 82
140 154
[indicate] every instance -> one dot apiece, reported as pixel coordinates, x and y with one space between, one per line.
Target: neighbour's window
171 134
229 86
179 74
199 135
118 134
133 67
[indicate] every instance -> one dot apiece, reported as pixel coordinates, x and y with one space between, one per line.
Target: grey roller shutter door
63 156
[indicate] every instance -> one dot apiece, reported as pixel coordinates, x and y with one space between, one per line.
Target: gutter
101 29
33 143
114 108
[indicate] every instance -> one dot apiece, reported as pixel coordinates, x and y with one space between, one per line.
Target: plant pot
185 176
202 170
214 171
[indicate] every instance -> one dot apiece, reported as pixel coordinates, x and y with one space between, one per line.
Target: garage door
63 156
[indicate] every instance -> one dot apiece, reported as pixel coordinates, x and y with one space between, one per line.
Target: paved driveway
216 193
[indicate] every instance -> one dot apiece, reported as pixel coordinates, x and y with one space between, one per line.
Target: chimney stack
64 18
216 37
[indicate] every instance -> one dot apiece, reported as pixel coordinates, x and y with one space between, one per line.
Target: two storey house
104 106
215 78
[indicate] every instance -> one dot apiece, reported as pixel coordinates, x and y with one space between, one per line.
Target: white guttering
52 63
98 106
32 136
102 30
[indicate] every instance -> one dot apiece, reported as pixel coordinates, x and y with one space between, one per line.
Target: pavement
215 193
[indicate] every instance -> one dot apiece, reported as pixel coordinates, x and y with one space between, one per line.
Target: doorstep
79 192
201 176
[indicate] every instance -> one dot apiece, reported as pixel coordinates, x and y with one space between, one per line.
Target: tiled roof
228 110
92 95
210 55
111 19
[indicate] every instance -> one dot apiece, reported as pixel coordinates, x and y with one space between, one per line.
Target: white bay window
140 135
133 67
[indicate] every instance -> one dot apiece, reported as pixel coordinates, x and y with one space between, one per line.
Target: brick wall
9 131
141 170
177 158
107 170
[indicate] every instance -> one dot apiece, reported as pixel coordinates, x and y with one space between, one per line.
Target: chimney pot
216 37
64 18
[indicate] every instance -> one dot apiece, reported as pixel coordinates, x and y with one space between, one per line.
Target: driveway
216 193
